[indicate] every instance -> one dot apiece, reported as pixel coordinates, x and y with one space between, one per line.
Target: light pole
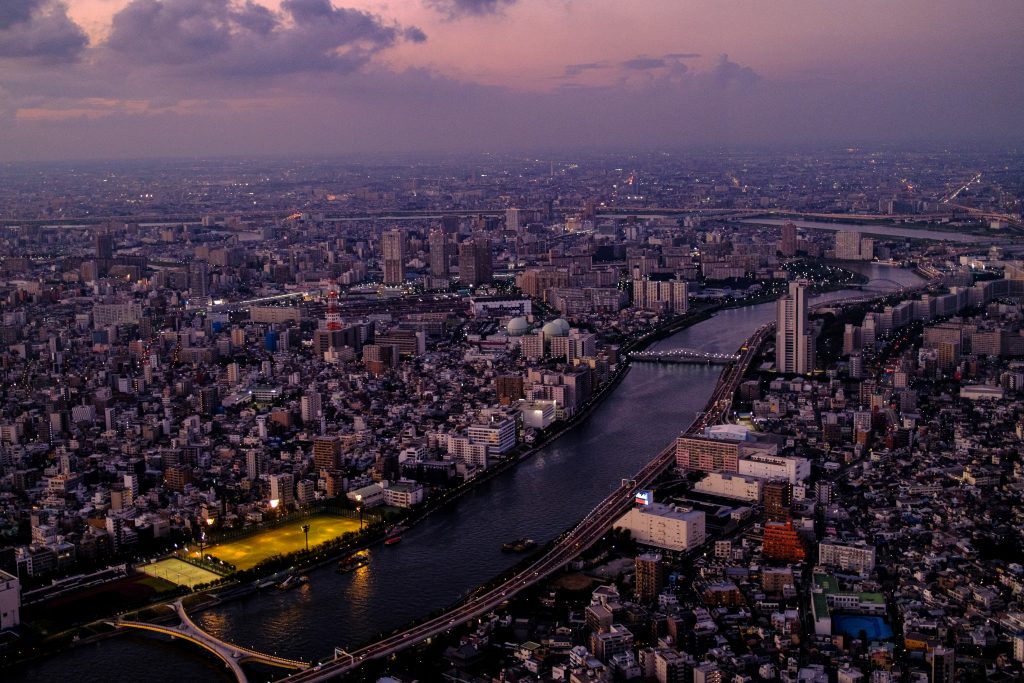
305 530
359 506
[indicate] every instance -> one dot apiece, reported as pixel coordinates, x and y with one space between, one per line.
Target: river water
879 229
458 548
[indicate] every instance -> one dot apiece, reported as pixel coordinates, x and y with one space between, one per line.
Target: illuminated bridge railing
683 356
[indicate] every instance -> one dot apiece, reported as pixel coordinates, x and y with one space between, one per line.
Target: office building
475 266
392 246
794 338
668 527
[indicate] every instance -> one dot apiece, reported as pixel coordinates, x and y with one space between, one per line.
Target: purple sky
139 78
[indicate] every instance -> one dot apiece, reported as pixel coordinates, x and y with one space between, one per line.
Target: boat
519 545
391 540
292 581
353 562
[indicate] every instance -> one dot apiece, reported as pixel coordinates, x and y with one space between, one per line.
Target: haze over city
145 78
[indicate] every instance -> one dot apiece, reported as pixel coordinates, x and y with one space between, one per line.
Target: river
880 229
455 549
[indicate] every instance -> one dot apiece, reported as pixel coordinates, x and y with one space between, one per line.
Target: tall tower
333 314
393 255
794 339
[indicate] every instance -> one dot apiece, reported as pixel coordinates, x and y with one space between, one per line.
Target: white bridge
684 356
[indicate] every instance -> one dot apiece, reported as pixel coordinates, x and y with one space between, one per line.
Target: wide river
457 548
881 229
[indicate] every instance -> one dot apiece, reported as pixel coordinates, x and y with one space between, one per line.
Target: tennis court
178 572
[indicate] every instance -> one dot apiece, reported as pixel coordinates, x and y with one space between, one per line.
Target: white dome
517 327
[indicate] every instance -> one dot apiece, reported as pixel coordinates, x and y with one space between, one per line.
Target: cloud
39 30
576 69
454 9
644 63
726 74
682 55
15 12
229 38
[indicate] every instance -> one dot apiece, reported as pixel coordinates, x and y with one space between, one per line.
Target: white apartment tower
794 337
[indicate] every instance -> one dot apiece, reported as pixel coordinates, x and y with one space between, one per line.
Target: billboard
644 497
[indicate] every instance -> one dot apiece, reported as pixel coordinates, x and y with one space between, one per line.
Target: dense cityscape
511 341
227 385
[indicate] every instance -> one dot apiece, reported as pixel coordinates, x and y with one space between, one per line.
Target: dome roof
517 327
556 328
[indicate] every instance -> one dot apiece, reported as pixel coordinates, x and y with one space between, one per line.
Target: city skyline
149 78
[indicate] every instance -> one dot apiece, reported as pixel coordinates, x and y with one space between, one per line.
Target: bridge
683 356
231 655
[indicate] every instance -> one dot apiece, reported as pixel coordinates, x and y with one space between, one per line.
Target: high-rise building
326 452
707 455
851 246
199 279
794 338
788 244
664 296
778 500
948 356
282 489
104 246
943 664
310 407
393 256
782 543
475 267
650 576
254 463
439 253
512 220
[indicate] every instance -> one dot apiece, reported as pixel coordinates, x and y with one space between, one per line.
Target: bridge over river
231 655
683 356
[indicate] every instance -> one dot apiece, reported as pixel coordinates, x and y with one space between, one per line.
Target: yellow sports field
181 573
247 552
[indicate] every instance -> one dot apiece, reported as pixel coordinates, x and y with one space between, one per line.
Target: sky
152 78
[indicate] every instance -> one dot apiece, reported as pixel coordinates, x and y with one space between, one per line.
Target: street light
359 506
305 530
